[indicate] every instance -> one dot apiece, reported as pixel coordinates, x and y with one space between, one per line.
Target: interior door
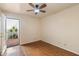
3 34
0 35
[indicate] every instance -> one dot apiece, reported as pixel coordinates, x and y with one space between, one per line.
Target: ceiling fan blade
32 5
43 11
43 6
29 10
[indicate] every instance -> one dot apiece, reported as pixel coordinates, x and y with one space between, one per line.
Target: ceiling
22 7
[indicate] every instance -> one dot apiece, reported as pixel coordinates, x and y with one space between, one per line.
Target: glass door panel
12 29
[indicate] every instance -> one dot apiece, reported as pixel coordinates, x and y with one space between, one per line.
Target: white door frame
19 27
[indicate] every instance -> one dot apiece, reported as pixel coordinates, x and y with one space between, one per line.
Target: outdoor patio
12 42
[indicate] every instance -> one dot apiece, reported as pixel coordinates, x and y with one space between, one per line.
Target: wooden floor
38 48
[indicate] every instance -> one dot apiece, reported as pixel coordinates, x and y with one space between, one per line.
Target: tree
13 33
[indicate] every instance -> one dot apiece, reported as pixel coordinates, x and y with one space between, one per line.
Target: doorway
12 32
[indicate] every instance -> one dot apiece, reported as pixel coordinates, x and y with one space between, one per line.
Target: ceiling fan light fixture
36 11
37 8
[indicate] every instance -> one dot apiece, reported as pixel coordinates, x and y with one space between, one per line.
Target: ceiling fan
37 8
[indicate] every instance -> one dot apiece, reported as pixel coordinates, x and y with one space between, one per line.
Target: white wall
0 33
29 27
30 30
62 29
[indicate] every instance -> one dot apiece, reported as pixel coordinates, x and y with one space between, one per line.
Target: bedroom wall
29 27
62 29
0 33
